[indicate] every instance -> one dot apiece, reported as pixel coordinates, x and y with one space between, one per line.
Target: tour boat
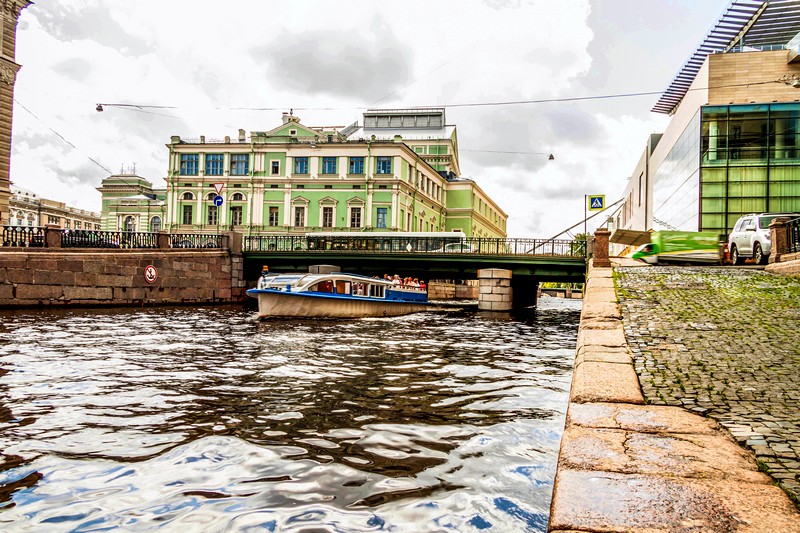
335 295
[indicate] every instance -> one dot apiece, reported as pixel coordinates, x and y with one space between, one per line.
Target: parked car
750 237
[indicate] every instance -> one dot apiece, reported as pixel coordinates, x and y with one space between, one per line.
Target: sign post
591 202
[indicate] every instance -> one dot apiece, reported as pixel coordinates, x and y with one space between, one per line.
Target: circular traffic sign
150 273
218 200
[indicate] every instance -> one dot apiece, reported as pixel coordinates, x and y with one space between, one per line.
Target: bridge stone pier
497 293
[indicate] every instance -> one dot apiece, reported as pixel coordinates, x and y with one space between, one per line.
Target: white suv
750 237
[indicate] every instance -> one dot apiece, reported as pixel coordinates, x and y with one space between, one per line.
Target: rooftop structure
745 25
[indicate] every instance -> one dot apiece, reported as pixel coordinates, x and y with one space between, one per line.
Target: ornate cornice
8 71
14 7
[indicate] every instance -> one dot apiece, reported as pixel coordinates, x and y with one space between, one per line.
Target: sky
216 67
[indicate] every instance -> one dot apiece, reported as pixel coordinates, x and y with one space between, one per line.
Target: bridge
423 258
530 261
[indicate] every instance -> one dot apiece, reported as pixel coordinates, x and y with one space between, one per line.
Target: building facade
399 171
732 146
9 15
130 203
26 208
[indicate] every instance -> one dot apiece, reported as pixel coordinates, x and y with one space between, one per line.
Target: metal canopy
630 237
753 23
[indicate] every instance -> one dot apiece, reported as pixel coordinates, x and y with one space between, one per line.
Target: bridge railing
35 236
22 236
371 244
793 235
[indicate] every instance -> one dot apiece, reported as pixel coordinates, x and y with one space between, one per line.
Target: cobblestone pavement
725 343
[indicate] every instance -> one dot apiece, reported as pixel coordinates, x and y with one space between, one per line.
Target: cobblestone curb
628 466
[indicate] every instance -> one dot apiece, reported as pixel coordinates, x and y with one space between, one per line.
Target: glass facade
676 182
750 158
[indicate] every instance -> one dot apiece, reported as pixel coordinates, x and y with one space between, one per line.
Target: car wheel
735 258
758 255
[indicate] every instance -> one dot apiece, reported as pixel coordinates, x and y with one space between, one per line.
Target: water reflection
208 420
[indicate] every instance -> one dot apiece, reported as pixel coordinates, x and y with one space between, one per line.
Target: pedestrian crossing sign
597 202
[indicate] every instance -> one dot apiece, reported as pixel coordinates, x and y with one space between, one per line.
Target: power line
100 106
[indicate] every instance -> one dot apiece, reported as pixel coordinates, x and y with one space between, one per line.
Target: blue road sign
218 200
597 202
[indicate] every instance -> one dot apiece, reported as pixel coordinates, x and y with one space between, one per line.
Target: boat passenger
396 280
422 285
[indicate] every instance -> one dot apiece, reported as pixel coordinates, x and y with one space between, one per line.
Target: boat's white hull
288 304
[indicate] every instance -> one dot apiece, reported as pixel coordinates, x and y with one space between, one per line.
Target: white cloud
205 57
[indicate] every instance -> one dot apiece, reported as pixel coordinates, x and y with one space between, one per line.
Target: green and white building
399 171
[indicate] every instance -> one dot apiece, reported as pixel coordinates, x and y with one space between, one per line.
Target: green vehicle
681 247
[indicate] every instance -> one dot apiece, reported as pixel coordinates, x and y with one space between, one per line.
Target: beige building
9 14
26 208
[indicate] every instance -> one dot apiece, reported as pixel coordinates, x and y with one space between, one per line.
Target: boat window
358 289
323 286
342 286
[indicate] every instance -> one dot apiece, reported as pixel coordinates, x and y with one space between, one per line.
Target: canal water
185 419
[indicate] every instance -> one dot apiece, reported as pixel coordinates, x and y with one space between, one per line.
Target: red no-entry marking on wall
150 273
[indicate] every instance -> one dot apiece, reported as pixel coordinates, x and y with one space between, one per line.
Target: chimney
227 139
202 139
285 117
242 137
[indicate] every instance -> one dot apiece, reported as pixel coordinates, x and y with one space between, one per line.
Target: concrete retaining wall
60 278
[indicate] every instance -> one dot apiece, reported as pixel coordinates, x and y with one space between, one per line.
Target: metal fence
34 236
793 235
78 238
371 244
22 236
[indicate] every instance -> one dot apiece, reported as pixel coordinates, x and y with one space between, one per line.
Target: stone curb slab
606 501
641 418
682 455
600 309
603 354
606 382
602 337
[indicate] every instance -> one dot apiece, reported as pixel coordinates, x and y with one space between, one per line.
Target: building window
301 165
382 211
130 224
155 224
329 165
237 197
210 196
215 163
66 224
384 165
299 216
355 217
236 215
78 224
213 217
189 164
273 216
187 196
356 165
275 168
187 214
239 164
327 217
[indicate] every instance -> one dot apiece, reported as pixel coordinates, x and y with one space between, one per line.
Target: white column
395 210
287 205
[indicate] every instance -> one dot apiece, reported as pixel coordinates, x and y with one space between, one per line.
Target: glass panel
747 205
709 175
713 205
747 188
738 174
784 205
711 221
784 188
713 190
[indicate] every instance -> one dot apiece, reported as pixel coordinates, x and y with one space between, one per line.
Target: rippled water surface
207 420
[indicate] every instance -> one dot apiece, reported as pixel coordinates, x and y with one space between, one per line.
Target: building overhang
630 237
745 23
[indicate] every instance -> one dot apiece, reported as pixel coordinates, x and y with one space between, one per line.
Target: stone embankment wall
448 290
627 466
117 278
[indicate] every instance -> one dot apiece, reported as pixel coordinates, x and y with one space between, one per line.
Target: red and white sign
150 274
218 187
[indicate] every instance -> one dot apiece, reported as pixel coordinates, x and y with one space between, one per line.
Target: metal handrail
793 235
372 244
81 238
22 236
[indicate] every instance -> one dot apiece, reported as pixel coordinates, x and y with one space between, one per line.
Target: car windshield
764 222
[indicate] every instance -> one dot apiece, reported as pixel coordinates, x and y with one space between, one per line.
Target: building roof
744 24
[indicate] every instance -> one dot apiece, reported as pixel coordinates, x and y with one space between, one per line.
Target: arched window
187 196
210 196
155 224
237 197
130 224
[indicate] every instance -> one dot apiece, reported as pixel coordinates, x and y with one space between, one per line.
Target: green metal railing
371 244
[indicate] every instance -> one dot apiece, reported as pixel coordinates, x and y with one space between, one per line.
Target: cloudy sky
329 61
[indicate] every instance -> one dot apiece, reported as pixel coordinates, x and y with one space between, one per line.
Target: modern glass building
731 147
